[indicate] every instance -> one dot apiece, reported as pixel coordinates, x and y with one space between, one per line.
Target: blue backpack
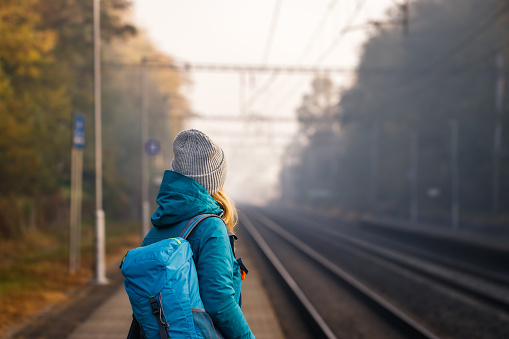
162 285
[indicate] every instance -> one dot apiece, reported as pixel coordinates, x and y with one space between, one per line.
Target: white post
100 275
100 268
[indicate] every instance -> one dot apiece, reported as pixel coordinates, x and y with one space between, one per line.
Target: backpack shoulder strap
232 238
193 222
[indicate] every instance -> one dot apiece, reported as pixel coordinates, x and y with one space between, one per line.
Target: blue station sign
152 147
78 138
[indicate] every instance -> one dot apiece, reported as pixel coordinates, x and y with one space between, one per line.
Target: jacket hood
181 198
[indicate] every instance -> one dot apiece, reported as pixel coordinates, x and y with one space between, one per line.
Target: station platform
483 238
112 319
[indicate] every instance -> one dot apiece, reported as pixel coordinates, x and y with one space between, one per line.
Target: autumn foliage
46 74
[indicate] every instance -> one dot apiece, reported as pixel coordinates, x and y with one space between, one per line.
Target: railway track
472 280
373 274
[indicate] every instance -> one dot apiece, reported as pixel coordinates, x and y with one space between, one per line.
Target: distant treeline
419 122
46 75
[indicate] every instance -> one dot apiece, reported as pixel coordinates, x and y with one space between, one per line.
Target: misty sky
237 32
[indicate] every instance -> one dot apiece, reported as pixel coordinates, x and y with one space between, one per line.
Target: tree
311 176
45 75
443 70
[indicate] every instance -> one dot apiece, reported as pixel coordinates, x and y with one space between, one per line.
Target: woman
193 187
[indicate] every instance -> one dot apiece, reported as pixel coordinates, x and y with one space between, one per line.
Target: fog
366 106
319 34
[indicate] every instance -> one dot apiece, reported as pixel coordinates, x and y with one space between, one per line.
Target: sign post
78 142
99 234
151 147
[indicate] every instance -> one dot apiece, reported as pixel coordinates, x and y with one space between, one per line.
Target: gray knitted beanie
199 158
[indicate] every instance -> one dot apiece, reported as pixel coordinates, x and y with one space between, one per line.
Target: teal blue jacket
180 198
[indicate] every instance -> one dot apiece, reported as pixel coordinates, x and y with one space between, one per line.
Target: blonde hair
230 215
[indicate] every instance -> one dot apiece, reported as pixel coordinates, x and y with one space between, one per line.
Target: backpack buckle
154 306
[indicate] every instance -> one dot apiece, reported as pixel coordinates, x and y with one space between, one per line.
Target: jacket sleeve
214 264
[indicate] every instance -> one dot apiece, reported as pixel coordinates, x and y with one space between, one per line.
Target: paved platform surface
113 318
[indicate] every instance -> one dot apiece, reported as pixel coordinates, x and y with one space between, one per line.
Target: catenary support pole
100 269
497 136
145 205
454 175
414 163
405 9
73 214
79 199
242 92
375 130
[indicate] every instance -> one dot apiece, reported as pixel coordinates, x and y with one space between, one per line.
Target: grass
34 270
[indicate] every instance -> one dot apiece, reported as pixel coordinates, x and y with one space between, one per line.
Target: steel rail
320 323
464 280
455 264
408 324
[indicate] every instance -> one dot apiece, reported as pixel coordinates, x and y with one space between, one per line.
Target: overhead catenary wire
472 36
268 45
411 92
272 29
289 69
486 24
221 118
500 48
343 31
270 81
210 67
318 29
464 43
429 70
